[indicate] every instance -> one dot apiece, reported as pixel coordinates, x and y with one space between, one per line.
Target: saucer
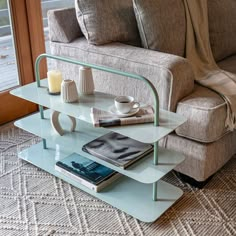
114 111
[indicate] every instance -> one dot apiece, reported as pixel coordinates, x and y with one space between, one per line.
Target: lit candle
54 81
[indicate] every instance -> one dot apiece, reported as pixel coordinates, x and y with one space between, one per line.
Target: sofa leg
191 181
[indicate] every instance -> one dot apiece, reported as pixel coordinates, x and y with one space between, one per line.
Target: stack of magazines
102 118
112 147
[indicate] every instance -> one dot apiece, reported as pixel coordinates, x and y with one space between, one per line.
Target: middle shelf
143 170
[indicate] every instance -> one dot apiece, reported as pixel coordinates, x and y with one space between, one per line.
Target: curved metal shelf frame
113 71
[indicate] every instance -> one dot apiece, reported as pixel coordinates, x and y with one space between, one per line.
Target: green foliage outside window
3 4
4 20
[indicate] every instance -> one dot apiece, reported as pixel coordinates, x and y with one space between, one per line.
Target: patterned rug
33 202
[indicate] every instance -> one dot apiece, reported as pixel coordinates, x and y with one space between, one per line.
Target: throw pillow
106 21
222 27
58 20
162 25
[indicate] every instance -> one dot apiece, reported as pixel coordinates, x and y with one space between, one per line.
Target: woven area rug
33 202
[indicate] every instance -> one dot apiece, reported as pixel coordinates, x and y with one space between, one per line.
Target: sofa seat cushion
228 64
106 21
202 159
162 25
205 111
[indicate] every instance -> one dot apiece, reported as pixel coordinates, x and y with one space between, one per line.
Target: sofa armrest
171 75
63 25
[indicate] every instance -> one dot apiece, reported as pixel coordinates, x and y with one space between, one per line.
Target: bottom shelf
128 195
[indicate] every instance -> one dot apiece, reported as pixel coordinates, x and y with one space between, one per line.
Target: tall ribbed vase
86 84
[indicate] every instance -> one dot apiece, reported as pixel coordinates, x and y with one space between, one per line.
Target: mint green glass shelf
128 195
147 133
143 171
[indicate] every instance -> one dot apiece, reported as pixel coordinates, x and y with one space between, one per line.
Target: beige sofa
203 139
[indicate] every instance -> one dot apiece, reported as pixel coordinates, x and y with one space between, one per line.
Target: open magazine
102 118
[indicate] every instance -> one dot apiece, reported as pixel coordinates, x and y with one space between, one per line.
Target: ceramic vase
86 84
56 123
69 91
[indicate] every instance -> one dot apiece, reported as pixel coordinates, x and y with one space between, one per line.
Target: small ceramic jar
69 91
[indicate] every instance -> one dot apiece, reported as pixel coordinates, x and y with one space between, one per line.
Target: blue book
86 171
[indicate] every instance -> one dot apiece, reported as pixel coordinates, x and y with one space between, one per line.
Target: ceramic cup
124 104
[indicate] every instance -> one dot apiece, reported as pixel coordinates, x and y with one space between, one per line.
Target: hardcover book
89 173
117 149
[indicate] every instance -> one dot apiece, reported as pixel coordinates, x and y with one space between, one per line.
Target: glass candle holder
54 81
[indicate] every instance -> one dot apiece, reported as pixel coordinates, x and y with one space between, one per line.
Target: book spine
77 178
87 184
107 182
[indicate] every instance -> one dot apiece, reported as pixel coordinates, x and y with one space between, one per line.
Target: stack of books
88 173
112 147
118 149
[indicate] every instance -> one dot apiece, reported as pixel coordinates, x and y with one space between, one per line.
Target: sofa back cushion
162 25
63 25
222 27
105 21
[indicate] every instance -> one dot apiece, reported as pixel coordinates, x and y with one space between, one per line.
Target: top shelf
147 133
